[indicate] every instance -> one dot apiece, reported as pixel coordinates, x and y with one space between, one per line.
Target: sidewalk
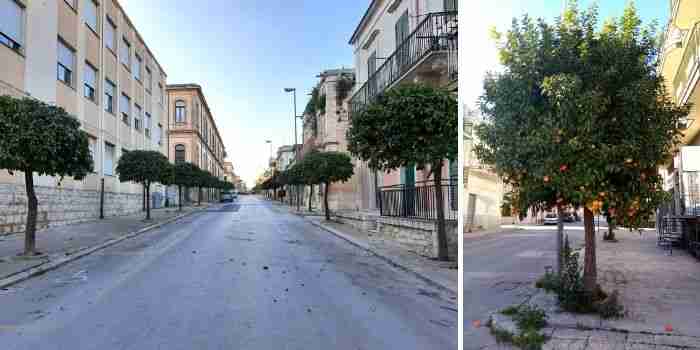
66 243
438 273
658 291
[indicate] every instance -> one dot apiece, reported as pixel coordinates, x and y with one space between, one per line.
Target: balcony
434 39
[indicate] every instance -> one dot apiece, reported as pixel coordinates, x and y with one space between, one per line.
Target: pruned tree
580 117
328 168
409 125
42 139
185 175
145 168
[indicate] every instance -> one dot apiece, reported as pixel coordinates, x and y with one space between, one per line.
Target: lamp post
294 117
269 142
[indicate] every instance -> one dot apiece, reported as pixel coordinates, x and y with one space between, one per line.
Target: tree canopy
407 125
42 138
145 167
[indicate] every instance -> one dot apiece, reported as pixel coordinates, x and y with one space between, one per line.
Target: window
137 68
137 117
11 24
109 38
450 5
401 32
179 154
90 82
109 160
125 109
147 124
90 14
66 62
125 53
149 79
109 96
160 93
180 111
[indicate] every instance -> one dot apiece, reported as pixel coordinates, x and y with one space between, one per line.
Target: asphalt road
243 276
500 270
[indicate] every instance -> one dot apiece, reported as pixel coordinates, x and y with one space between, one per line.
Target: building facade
680 67
399 42
325 129
87 57
483 188
405 41
193 134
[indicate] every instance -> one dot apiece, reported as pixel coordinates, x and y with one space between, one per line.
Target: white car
551 219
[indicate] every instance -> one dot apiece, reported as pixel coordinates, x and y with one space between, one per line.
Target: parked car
551 219
227 198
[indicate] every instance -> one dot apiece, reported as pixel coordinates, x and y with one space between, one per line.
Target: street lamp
294 116
270 142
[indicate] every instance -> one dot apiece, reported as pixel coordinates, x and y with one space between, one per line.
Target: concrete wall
416 235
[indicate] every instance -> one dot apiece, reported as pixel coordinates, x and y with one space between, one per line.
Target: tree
409 125
145 168
43 139
329 167
295 177
185 175
580 117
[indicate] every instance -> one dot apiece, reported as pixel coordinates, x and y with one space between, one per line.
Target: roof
138 35
363 22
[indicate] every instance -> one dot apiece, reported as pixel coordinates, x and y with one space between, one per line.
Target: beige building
193 135
483 189
87 57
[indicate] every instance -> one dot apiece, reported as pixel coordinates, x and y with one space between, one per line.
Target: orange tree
42 139
145 168
580 117
409 125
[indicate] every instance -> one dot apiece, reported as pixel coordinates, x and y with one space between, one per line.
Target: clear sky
481 55
244 53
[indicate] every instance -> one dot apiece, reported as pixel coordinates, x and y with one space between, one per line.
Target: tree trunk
326 186
148 201
179 197
299 198
143 197
560 237
311 193
199 197
589 263
436 168
32 204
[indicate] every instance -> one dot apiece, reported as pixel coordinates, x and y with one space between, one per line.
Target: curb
54 264
367 247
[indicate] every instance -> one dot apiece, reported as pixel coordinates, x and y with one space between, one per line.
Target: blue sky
499 13
244 53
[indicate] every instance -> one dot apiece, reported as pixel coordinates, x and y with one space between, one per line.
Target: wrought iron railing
437 32
419 201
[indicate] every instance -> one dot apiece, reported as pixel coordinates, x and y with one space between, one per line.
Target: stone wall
419 236
365 221
59 206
